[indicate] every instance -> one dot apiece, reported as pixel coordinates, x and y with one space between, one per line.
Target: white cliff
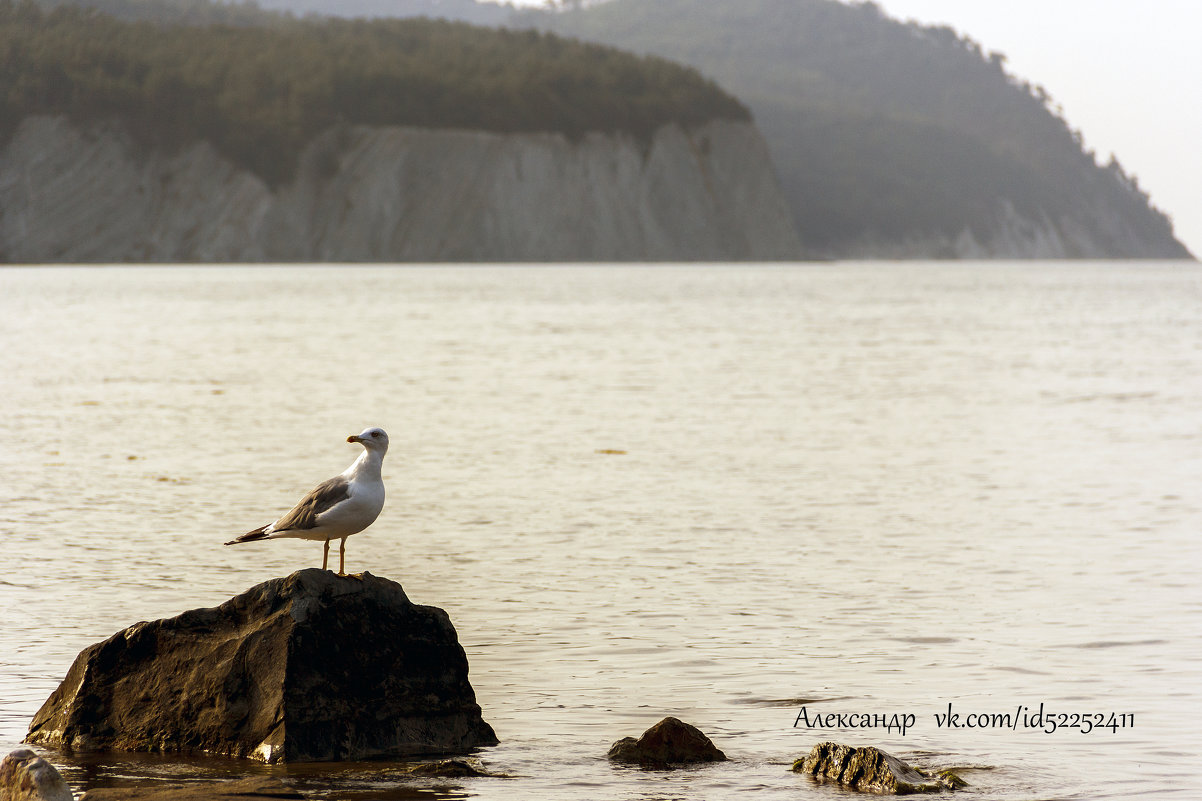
93 194
1094 230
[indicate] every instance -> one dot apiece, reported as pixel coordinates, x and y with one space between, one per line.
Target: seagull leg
325 555
342 558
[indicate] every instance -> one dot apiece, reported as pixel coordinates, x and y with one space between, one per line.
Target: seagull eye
375 433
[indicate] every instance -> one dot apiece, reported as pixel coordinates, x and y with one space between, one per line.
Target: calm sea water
718 492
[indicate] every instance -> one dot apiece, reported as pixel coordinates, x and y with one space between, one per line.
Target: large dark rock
25 776
670 741
871 770
305 668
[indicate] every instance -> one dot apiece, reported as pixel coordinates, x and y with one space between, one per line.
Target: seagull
336 508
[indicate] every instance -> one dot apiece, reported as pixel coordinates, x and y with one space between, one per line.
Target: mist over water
719 492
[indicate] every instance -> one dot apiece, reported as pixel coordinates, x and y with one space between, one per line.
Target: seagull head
374 439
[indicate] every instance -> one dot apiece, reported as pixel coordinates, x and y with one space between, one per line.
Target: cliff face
1096 232
70 194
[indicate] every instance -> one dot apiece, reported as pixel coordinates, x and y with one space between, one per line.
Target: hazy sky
1128 74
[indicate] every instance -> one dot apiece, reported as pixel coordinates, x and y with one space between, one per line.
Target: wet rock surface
451 769
668 742
871 770
25 776
311 667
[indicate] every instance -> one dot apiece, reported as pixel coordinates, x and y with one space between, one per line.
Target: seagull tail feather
259 533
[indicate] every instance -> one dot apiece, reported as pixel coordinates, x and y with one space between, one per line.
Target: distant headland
630 130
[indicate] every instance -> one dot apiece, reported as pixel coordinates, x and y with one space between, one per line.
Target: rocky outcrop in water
361 194
312 667
871 770
671 741
25 776
451 769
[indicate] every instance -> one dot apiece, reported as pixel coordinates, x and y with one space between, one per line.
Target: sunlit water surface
715 492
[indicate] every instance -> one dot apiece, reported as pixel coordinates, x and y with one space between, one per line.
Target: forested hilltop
188 12
260 86
462 10
886 132
262 12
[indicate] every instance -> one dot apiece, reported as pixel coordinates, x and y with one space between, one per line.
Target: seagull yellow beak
353 438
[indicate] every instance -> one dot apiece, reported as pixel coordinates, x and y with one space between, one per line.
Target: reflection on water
365 781
720 493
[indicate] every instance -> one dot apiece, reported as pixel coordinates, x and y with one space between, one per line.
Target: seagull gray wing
321 498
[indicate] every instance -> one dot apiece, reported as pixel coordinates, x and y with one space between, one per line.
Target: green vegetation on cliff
259 93
882 130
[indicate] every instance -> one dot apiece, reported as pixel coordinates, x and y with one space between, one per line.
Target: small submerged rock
25 776
668 742
451 769
312 667
871 770
949 779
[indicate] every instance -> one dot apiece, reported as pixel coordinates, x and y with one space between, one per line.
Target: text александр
1023 717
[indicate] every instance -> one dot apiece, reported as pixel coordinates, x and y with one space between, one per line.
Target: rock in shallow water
312 667
451 769
670 741
870 770
25 776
